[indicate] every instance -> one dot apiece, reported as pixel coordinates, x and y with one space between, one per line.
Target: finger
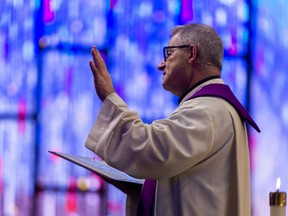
93 63
93 69
94 54
97 58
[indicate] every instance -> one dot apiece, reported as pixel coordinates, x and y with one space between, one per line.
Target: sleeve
159 150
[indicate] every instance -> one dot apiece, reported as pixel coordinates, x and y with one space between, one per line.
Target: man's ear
192 53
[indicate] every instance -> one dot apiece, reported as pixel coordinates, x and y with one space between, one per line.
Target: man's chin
165 87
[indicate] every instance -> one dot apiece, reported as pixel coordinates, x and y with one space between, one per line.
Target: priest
195 161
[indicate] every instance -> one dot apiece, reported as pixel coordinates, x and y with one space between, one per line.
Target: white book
99 167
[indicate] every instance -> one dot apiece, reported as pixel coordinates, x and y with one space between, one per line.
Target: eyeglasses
168 50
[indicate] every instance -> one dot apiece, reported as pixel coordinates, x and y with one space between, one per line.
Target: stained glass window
47 97
79 23
18 82
17 172
68 110
18 78
270 102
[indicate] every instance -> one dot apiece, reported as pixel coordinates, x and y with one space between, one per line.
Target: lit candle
278 201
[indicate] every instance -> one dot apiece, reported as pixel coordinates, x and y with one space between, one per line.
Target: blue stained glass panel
137 32
16 166
269 105
234 74
69 106
136 53
229 18
17 58
79 22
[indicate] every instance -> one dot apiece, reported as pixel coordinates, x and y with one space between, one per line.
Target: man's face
176 69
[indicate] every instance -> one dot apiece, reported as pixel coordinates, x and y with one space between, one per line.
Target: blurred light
284 113
76 26
28 50
243 11
145 9
83 183
17 3
159 16
48 12
221 17
227 2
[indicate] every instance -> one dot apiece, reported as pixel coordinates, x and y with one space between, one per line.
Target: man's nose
162 65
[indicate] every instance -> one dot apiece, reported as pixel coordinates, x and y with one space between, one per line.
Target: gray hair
209 44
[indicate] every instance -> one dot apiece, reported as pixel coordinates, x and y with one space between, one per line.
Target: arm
162 149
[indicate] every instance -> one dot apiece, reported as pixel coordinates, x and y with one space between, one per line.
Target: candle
277 201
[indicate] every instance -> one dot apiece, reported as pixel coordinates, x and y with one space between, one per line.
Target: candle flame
278 183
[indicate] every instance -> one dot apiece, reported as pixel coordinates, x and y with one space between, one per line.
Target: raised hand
102 80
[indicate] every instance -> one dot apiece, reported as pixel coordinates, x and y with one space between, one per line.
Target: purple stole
145 206
224 92
146 201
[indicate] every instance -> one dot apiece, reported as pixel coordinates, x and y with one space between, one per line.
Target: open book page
99 167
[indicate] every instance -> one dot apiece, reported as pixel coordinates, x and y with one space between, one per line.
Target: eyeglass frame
171 47
187 46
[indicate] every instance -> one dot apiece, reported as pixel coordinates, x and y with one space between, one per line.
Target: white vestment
199 155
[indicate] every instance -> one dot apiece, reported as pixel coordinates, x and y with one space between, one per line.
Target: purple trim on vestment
224 92
146 201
